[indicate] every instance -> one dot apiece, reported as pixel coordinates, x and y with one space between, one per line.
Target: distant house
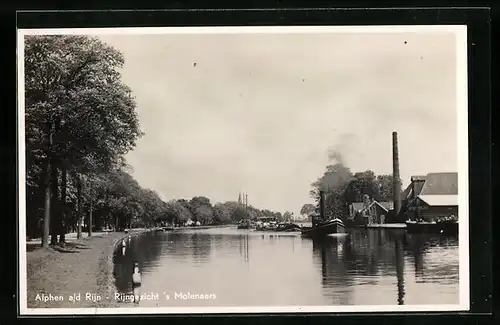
370 212
432 196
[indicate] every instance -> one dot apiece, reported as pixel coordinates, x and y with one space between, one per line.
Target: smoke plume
334 156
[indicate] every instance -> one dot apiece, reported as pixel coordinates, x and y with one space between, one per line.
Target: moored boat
244 224
288 227
333 226
447 227
266 223
322 226
281 227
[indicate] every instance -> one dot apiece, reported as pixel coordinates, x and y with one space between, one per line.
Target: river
221 267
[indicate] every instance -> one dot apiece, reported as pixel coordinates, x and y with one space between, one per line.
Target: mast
322 205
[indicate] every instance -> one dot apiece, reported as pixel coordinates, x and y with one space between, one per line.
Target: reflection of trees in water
144 250
384 251
122 272
330 251
373 251
201 246
184 246
359 254
150 247
227 242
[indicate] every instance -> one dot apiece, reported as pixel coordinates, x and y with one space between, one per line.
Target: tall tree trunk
62 229
90 211
46 215
47 204
79 214
54 229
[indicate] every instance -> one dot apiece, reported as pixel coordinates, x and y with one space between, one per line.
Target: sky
258 113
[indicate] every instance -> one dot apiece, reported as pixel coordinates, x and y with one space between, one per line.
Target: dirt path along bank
57 276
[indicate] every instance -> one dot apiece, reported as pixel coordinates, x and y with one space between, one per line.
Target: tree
236 211
79 115
307 209
222 214
287 216
173 212
202 209
185 213
334 183
361 184
386 187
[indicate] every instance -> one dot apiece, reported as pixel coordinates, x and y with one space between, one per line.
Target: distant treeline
80 122
200 209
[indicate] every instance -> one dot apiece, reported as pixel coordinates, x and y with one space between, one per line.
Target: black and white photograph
243 170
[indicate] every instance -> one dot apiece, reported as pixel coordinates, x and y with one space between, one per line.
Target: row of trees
200 209
80 122
342 188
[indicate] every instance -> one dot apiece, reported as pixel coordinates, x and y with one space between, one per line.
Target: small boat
332 226
244 224
266 223
288 227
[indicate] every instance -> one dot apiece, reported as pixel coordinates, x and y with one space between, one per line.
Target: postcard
243 170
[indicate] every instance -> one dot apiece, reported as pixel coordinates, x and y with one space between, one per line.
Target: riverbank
200 227
83 267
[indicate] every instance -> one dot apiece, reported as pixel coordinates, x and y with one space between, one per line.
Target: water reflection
334 274
144 250
252 268
244 248
400 270
137 295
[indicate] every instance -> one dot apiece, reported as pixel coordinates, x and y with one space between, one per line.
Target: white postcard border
462 106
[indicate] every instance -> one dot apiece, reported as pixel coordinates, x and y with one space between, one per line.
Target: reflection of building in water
377 252
335 279
431 264
416 246
400 270
372 252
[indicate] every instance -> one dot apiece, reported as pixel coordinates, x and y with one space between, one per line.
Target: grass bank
83 266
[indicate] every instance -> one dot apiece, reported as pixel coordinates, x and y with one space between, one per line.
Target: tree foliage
80 122
307 209
80 118
342 188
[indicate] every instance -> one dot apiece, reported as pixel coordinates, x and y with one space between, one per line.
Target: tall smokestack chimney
322 205
395 175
